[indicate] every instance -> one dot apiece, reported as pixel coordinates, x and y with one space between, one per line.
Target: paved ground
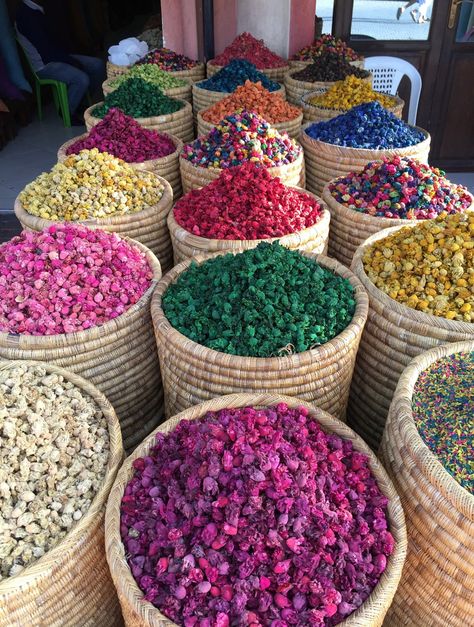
377 18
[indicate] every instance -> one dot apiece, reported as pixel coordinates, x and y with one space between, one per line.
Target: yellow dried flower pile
429 267
90 184
352 91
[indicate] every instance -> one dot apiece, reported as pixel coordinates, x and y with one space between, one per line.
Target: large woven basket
204 98
350 228
193 373
119 357
325 162
194 177
116 70
181 93
296 89
274 73
166 167
70 585
140 613
292 127
147 226
295 64
314 239
393 335
313 113
179 123
437 586
194 74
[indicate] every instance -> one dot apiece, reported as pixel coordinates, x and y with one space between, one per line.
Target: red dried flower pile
245 46
246 203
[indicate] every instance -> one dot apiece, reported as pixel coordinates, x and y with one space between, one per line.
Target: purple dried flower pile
255 517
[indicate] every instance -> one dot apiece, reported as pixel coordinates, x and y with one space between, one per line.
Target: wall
266 20
179 26
302 15
225 23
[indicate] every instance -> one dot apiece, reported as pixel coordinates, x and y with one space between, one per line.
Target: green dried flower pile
138 99
263 302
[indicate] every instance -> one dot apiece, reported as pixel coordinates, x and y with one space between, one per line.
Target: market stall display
170 85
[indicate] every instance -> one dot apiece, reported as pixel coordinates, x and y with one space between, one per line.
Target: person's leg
76 80
94 68
406 6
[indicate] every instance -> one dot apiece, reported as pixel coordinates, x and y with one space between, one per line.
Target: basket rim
120 571
366 218
402 413
430 320
47 561
173 337
324 220
163 117
28 342
178 143
317 144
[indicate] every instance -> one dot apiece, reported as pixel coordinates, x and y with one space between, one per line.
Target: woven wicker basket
140 613
166 167
194 177
292 127
313 239
193 373
195 74
204 98
312 113
437 587
350 228
116 70
296 89
393 335
275 73
295 64
181 93
70 585
147 227
119 357
179 123
325 162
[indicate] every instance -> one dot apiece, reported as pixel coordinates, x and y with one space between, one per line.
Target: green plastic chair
60 98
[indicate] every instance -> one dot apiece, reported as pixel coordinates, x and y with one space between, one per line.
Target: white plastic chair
388 73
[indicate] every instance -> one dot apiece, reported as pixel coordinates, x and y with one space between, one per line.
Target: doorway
440 45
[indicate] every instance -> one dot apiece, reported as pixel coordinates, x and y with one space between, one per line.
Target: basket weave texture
179 123
325 162
166 167
147 226
292 127
393 335
274 73
193 177
314 239
193 373
194 74
70 585
119 357
437 586
140 613
296 89
313 113
350 228
181 93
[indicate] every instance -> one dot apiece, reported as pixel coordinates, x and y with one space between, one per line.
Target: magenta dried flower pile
255 517
68 278
122 136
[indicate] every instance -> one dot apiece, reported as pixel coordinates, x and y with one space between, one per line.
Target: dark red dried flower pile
246 202
122 136
245 46
255 517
